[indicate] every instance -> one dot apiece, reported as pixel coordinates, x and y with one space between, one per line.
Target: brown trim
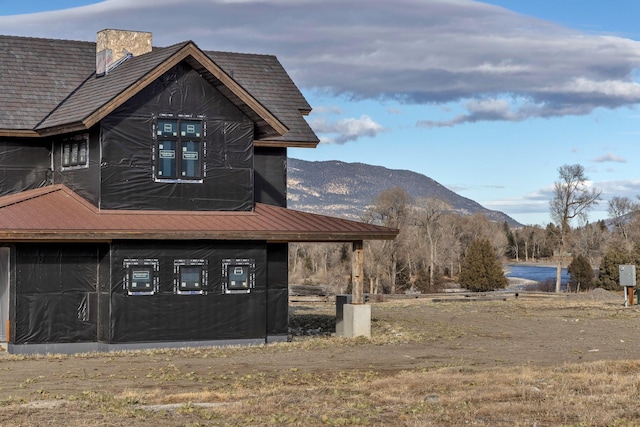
107 236
58 130
19 133
284 144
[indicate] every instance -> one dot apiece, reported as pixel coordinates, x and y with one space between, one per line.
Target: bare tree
536 238
427 216
621 211
590 242
392 209
451 243
572 198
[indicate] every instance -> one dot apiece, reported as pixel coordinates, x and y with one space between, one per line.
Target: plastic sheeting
76 293
120 172
166 316
24 165
84 181
271 176
278 289
128 148
56 293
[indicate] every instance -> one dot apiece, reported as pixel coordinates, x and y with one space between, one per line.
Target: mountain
347 190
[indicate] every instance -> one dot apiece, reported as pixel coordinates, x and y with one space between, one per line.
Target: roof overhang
57 214
18 133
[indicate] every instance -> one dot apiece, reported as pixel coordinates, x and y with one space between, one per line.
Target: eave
55 213
18 133
284 144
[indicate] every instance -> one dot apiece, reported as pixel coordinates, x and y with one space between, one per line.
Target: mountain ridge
347 190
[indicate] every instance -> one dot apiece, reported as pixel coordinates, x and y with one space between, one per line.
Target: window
190 276
179 150
238 275
141 277
75 152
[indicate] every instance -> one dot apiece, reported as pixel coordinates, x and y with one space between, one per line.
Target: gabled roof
49 87
56 213
264 75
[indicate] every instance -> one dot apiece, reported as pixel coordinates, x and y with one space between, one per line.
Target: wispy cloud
327 110
345 130
411 51
536 203
609 158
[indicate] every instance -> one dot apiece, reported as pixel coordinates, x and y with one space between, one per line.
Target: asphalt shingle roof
46 83
94 92
264 76
38 74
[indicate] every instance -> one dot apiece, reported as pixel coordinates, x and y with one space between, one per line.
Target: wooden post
357 271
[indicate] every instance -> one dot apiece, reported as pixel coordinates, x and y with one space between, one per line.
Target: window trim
80 140
204 276
150 263
238 262
179 148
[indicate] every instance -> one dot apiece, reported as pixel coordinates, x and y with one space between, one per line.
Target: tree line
437 247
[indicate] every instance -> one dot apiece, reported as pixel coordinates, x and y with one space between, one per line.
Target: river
538 273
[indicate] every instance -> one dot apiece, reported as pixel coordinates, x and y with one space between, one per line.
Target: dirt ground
173 387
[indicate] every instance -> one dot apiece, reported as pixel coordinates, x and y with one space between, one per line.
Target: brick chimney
114 45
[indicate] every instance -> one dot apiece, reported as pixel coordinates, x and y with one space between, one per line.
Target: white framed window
190 276
179 149
75 152
238 275
141 276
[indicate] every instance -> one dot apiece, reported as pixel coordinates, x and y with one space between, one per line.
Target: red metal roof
57 213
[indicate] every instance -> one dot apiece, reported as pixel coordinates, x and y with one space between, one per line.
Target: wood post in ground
357 271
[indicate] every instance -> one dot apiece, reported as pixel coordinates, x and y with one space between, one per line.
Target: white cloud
334 109
412 51
628 188
345 130
609 157
536 203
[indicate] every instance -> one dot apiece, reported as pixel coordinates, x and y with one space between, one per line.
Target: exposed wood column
357 271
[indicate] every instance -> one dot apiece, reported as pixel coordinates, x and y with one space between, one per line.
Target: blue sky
487 98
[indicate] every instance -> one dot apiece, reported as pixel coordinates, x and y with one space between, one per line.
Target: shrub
481 271
581 273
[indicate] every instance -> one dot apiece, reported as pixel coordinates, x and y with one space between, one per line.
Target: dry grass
197 387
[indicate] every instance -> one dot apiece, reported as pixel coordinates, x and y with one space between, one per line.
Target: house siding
127 179
166 316
86 180
278 290
56 293
270 168
76 293
24 165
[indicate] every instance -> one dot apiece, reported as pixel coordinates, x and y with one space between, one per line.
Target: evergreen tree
609 275
481 270
581 273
